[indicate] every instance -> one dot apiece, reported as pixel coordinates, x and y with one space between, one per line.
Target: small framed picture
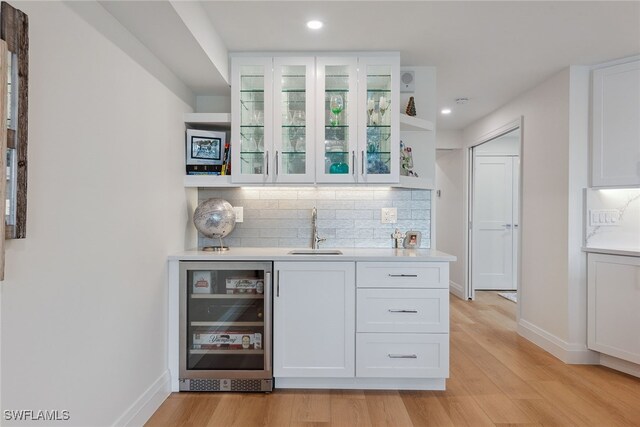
412 240
205 151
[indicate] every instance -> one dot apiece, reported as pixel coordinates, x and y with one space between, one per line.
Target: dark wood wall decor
14 29
4 68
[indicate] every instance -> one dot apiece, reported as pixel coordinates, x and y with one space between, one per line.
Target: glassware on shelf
257 118
371 107
336 105
383 106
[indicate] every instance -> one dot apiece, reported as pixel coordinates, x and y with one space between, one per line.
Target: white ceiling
489 52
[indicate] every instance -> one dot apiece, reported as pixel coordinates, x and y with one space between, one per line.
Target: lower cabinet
614 305
314 319
393 332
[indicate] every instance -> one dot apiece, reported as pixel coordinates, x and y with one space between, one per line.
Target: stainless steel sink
315 252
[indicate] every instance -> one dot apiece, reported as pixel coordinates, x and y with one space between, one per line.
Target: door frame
469 293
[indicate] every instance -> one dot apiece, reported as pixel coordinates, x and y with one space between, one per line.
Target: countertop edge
608 251
349 254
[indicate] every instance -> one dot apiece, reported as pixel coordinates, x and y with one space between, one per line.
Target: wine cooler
225 326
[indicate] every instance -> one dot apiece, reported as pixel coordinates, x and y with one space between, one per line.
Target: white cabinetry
614 306
398 340
315 119
314 319
615 137
403 320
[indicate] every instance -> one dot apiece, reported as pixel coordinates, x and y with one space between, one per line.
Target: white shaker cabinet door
314 319
615 139
614 306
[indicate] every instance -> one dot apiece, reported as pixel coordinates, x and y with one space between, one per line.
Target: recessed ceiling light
446 111
315 24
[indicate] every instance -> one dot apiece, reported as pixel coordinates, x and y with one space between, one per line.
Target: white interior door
493 225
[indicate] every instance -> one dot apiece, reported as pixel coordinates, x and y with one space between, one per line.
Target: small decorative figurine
411 107
406 161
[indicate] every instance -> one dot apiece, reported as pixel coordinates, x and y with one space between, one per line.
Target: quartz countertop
614 251
282 254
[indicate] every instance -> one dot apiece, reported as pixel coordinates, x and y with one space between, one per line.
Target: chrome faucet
315 240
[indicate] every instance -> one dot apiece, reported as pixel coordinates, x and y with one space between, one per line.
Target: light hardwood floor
497 379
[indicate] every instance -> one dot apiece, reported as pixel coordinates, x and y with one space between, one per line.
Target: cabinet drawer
402 355
403 310
402 274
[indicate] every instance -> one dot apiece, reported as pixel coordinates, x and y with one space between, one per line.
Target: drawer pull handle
403 356
392 310
403 275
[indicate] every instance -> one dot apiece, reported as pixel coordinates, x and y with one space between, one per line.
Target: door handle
276 162
353 162
507 226
402 356
266 157
403 275
362 162
392 310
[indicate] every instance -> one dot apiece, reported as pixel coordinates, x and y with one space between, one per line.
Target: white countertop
614 251
282 254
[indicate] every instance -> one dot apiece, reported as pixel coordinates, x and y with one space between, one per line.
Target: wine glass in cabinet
294 83
379 139
336 141
252 119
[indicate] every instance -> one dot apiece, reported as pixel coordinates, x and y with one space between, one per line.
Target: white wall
450 213
84 301
554 169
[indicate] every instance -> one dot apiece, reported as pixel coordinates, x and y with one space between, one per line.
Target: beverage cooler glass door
225 320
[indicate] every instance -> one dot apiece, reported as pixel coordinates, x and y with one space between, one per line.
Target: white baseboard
620 365
456 289
144 407
353 383
575 354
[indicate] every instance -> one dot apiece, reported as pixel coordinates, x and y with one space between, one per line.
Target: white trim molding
620 365
571 353
148 403
456 289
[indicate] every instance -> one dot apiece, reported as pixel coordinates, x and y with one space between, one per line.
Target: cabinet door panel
616 126
379 123
614 306
403 275
402 355
252 120
294 84
314 319
336 118
403 310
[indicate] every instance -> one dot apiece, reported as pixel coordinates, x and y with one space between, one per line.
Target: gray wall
347 217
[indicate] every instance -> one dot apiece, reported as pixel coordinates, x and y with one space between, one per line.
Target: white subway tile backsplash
353 214
347 217
316 195
354 195
279 194
296 204
335 204
279 213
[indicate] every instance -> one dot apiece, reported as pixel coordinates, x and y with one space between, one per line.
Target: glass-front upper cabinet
379 136
336 119
251 119
293 119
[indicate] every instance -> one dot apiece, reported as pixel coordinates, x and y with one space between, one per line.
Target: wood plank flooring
497 379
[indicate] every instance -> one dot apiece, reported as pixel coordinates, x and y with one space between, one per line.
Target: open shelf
227 324
227 296
209 119
226 351
410 123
